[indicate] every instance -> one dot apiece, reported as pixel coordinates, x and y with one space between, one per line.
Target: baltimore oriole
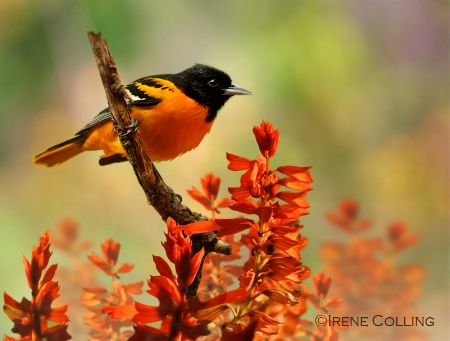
174 112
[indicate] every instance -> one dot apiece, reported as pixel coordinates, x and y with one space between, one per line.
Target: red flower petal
58 315
291 182
294 198
246 280
239 193
27 266
194 266
162 267
125 267
334 302
199 227
100 263
212 313
290 212
15 310
232 226
245 206
300 173
223 203
49 274
134 288
120 312
233 296
199 197
237 163
159 284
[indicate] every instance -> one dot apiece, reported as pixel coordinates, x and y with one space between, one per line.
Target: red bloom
181 319
110 251
347 217
210 185
250 181
178 251
321 284
267 139
36 319
400 237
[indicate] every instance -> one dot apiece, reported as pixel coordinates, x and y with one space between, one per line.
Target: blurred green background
358 90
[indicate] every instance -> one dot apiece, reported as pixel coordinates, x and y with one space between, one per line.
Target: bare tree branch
158 194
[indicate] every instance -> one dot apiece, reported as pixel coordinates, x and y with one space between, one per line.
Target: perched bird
173 112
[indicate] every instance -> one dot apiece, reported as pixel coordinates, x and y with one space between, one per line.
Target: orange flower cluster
210 185
36 319
274 271
367 277
321 285
179 318
217 272
103 328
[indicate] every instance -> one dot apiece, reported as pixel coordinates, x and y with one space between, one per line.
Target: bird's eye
213 83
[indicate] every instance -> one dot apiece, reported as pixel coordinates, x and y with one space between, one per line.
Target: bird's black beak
235 89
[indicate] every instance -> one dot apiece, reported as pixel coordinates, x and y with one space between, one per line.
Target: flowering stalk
210 185
321 285
367 275
217 272
180 318
275 270
102 326
36 319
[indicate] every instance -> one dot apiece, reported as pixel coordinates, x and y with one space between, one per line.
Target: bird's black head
208 86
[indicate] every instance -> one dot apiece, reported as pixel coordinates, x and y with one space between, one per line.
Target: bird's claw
131 128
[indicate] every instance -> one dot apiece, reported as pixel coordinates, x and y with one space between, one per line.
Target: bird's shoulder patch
140 95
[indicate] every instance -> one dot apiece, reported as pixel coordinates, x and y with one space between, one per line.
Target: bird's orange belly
165 132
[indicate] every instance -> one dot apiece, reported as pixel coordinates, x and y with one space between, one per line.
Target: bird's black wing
138 98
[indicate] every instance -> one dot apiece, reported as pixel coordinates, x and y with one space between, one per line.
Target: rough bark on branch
158 194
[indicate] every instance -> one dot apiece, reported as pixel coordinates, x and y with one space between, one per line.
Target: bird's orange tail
61 152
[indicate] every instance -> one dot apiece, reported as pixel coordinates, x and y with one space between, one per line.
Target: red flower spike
32 318
267 139
117 301
178 250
